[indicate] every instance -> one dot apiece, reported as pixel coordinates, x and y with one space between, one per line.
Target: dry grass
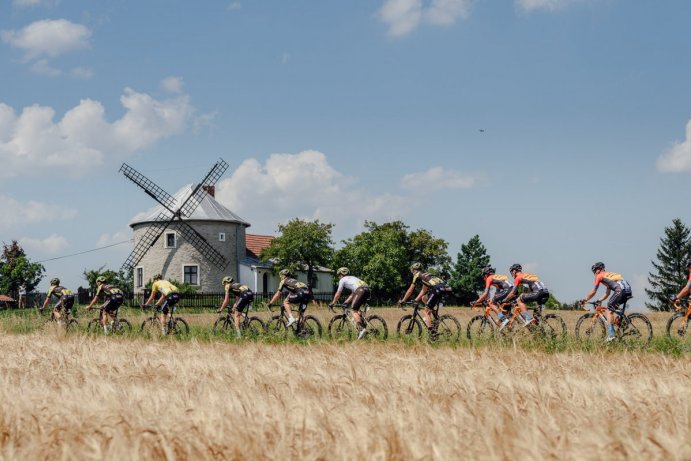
81 397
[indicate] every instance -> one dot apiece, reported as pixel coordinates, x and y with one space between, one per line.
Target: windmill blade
151 189
198 194
152 234
201 244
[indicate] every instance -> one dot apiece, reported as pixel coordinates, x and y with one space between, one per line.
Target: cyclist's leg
57 309
360 296
430 307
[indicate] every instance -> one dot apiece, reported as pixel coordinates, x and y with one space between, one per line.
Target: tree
302 244
670 268
118 279
382 254
466 277
16 268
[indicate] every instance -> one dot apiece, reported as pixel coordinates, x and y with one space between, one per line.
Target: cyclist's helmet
516 267
342 271
157 277
55 281
597 266
284 273
226 280
416 267
487 270
100 279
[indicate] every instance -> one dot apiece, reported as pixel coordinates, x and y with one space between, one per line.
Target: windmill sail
198 194
151 189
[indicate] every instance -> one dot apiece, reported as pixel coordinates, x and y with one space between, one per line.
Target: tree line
381 254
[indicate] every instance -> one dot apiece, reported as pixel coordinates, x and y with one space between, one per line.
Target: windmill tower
188 237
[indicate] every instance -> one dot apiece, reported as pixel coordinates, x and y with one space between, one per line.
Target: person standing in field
615 283
170 296
22 296
296 292
243 298
359 294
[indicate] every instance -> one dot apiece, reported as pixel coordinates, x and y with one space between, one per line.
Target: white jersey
350 282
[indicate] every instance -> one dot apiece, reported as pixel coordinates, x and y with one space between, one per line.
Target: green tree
382 254
670 272
118 279
16 268
466 276
302 244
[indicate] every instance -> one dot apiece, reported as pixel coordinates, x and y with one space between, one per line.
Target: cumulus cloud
404 16
437 178
32 141
678 157
303 185
50 245
48 38
120 236
547 5
16 214
172 84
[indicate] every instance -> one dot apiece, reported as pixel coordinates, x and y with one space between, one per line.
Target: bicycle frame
417 307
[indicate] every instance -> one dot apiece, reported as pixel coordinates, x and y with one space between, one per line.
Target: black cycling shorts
66 301
360 297
246 298
499 296
539 297
114 303
301 297
171 300
618 298
435 295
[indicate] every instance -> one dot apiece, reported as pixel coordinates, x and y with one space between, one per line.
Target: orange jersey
500 282
531 281
611 280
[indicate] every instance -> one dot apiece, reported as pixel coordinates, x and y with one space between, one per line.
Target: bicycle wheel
553 326
253 328
94 326
448 328
222 326
311 328
151 328
409 327
179 327
341 328
588 328
678 328
376 328
636 331
276 328
480 328
72 325
122 327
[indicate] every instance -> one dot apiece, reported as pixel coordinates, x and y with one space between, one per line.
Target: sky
559 131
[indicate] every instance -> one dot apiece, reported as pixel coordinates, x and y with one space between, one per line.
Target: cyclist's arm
337 296
225 300
408 293
45 303
422 293
275 297
684 292
93 301
605 296
590 294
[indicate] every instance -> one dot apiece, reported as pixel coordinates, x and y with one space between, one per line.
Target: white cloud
48 37
303 185
172 84
234 6
437 178
548 5
15 214
122 235
82 72
50 245
404 16
678 157
33 142
33 3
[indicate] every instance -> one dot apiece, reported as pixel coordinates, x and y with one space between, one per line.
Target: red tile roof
256 243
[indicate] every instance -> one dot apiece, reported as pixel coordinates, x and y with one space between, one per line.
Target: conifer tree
466 277
670 267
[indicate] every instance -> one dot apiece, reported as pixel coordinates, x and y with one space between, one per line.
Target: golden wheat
81 397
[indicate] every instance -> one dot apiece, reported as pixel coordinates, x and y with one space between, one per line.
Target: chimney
211 190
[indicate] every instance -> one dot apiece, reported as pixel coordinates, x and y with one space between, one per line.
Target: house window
140 277
190 275
221 236
170 240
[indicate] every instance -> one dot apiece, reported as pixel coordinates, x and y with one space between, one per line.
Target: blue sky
346 111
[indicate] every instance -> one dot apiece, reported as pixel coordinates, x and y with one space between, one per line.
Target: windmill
173 213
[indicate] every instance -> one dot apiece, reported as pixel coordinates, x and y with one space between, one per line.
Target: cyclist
533 290
614 282
243 298
684 291
168 299
113 299
501 285
359 294
296 292
65 299
433 288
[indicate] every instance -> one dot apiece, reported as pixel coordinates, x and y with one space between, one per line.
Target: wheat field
85 397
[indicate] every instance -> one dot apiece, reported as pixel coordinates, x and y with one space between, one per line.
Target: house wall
254 277
170 261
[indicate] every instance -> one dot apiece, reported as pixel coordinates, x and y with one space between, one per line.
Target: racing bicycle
444 327
631 329
176 326
250 327
343 326
305 327
117 325
549 326
678 323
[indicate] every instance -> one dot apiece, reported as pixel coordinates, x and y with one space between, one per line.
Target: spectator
22 296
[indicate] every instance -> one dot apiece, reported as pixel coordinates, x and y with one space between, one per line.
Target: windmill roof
209 209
